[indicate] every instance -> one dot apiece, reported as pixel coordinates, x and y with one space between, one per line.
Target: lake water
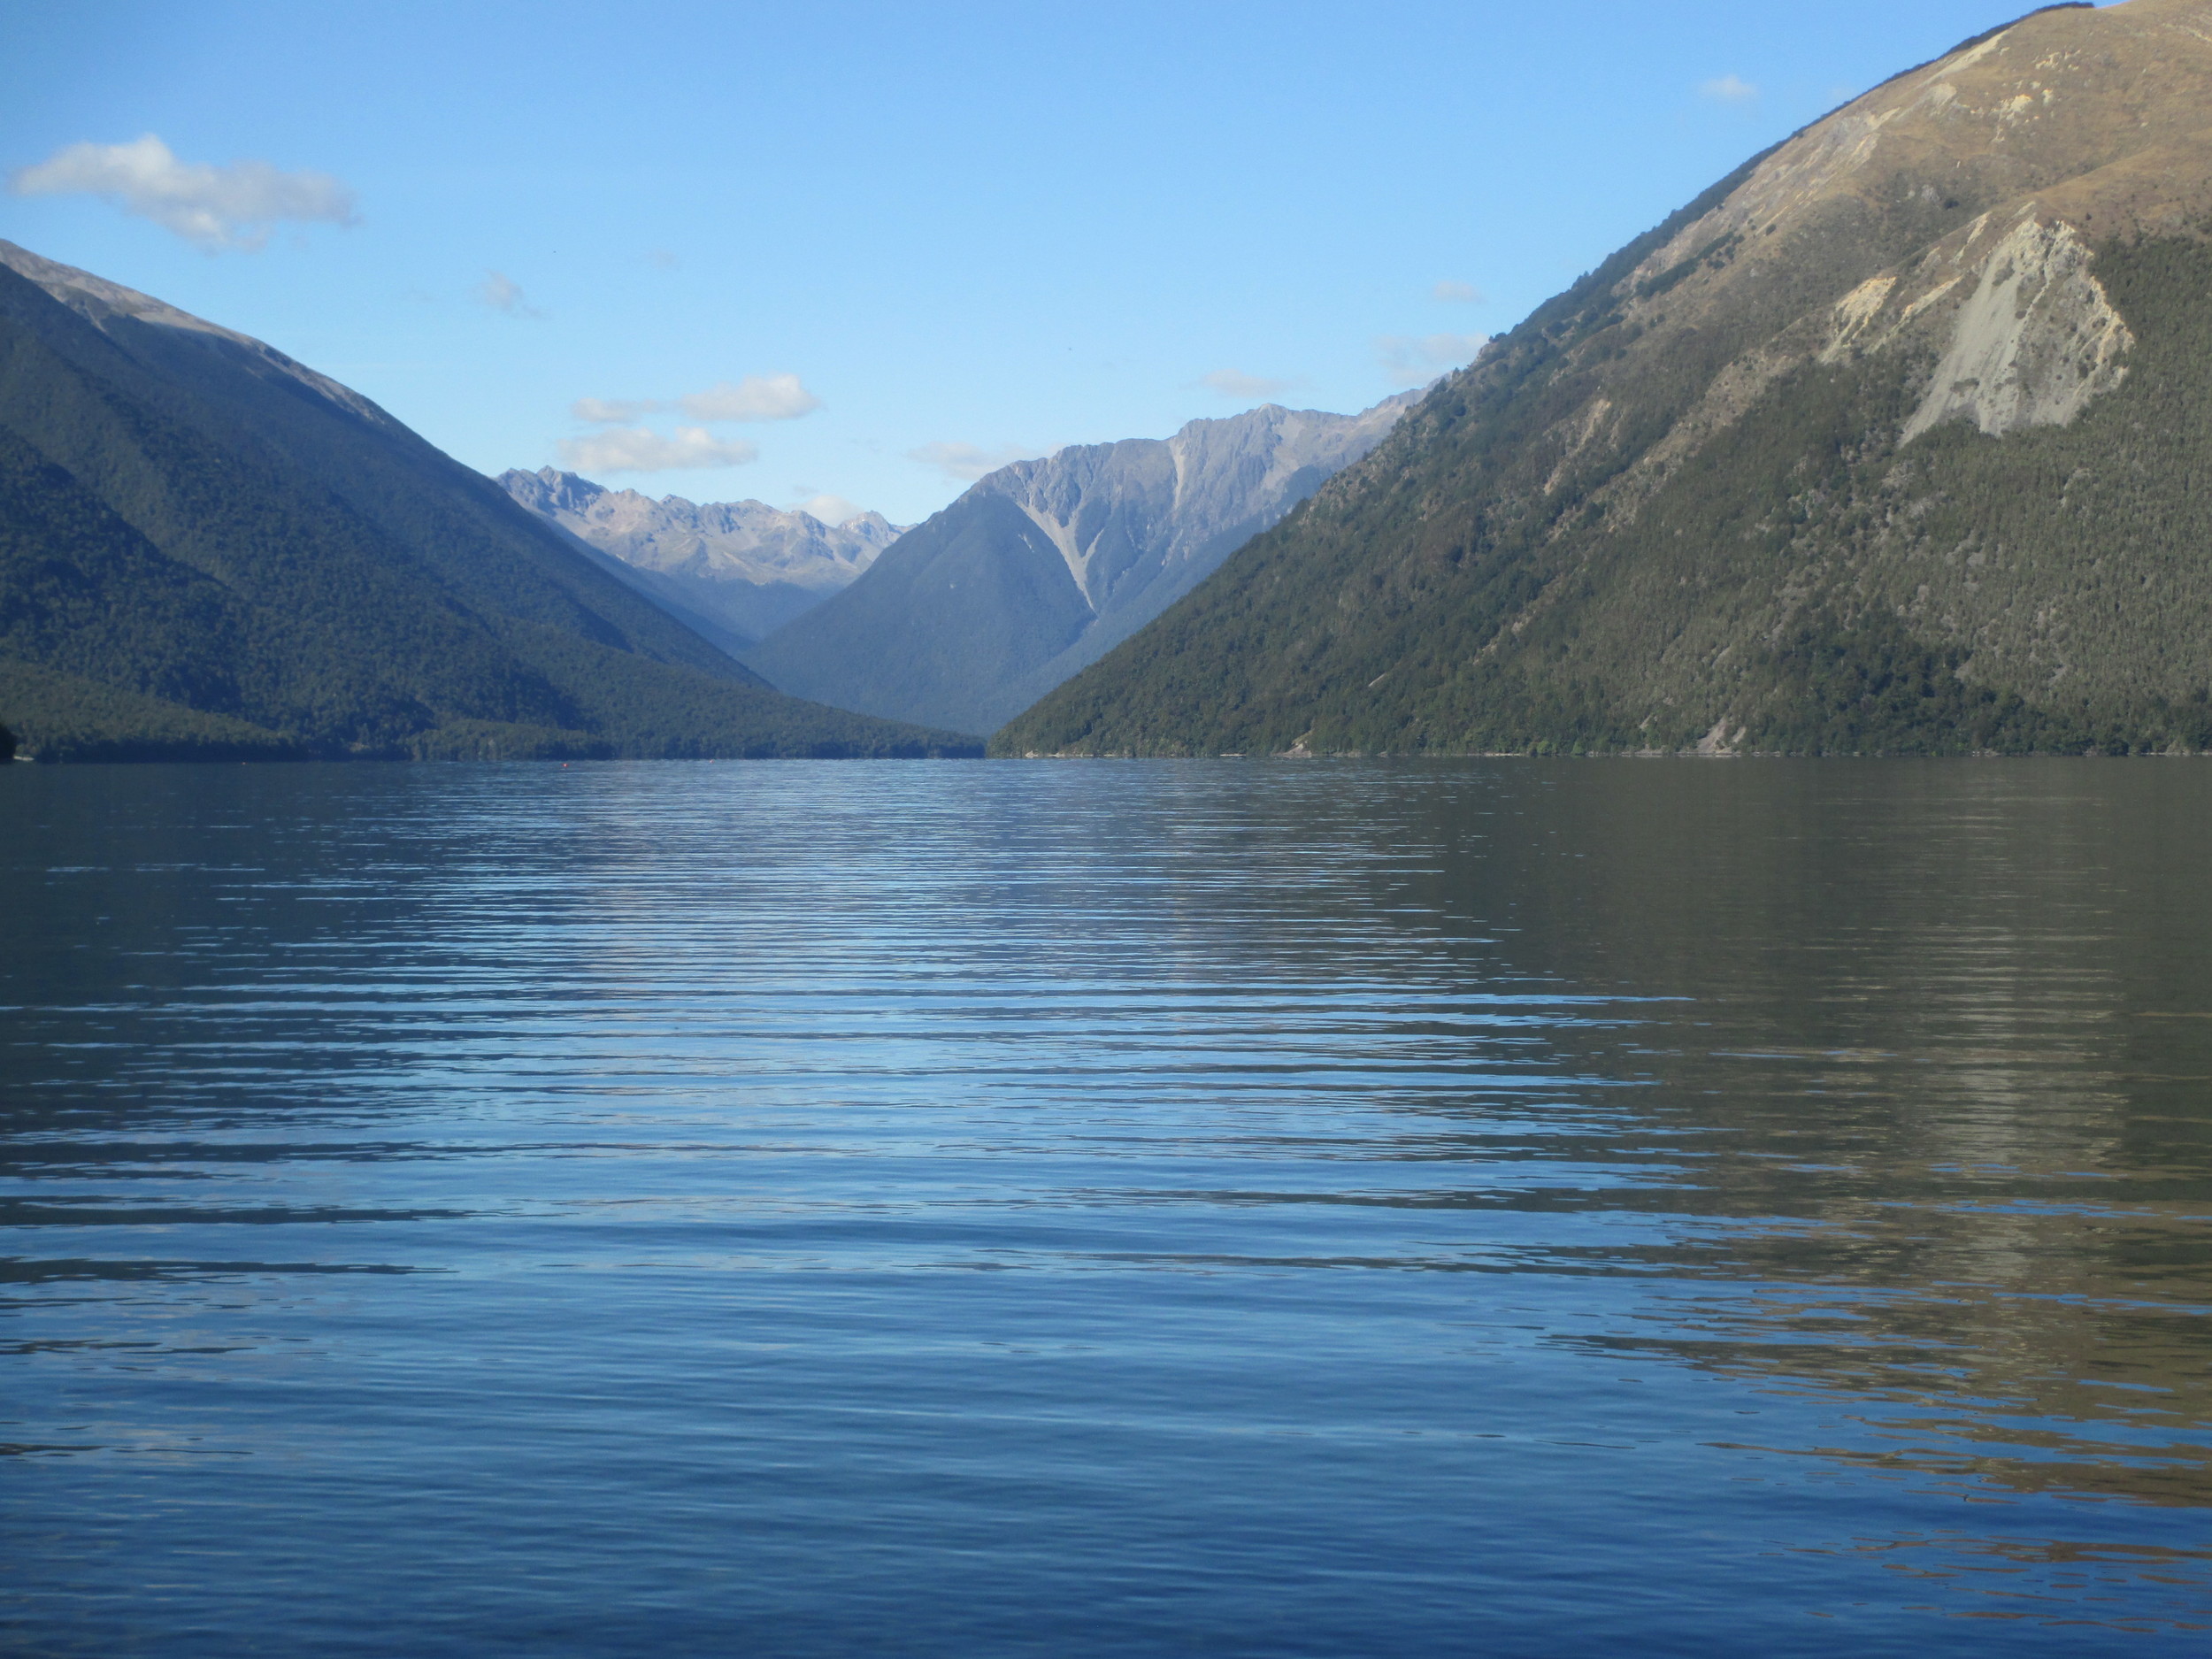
1364 1209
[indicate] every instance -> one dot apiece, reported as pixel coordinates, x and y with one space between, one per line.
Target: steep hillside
1895 440
744 567
1044 566
206 548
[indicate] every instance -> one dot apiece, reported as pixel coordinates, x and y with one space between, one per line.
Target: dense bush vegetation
1802 583
204 553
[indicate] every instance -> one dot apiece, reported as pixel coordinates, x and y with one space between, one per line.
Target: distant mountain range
1044 565
208 550
1896 440
742 567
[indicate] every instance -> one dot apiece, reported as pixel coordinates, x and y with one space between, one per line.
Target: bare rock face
2035 339
744 566
1126 517
1044 566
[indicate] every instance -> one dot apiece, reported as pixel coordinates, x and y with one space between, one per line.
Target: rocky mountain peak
1045 565
1155 504
745 566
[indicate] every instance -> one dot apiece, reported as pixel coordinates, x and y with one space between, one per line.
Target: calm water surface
1353 1209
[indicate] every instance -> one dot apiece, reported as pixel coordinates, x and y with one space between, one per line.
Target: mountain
1044 566
743 566
208 550
1895 440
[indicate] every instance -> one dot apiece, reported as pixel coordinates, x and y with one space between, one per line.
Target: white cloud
1236 383
1459 293
1414 360
505 294
756 398
235 206
831 510
967 461
640 449
1728 89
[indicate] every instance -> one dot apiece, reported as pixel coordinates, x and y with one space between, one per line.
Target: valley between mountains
1897 439
1036 572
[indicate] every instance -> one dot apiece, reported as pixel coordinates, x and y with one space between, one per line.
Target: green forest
203 555
1803 583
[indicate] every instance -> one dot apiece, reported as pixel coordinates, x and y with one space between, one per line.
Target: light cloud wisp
641 449
831 510
215 207
1728 89
1459 293
504 295
968 462
1237 383
756 398
1414 360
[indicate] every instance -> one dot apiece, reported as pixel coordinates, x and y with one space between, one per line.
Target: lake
1225 1208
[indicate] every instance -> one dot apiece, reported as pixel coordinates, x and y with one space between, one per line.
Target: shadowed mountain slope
1044 566
1895 440
205 545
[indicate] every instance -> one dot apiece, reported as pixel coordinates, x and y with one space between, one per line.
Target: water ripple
1101 1209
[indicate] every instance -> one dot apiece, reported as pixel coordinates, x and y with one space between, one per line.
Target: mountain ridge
1802 470
218 537
1044 564
746 567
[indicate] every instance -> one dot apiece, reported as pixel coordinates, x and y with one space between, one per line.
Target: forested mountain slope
1044 565
1899 439
207 548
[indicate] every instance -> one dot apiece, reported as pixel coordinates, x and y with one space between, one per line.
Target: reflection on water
1936 1014
1348 1207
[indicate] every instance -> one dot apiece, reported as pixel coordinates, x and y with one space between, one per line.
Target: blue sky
861 250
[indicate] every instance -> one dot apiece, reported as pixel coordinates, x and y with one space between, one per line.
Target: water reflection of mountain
1940 1090
1765 1180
